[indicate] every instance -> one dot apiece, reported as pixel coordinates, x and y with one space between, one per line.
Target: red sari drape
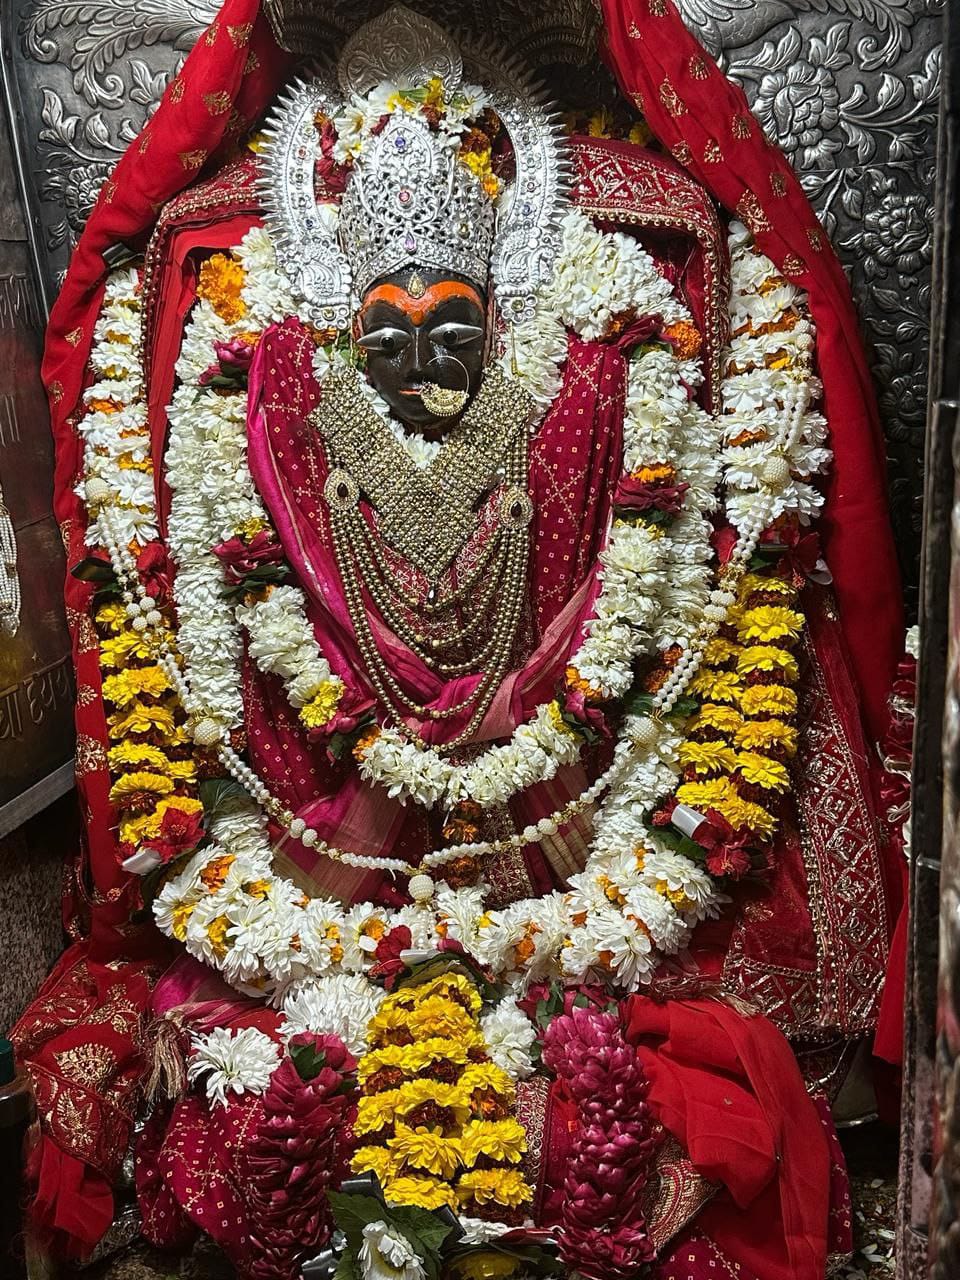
228 80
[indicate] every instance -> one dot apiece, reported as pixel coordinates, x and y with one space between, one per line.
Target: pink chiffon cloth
575 459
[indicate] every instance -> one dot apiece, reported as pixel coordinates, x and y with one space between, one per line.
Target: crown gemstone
409 242
404 196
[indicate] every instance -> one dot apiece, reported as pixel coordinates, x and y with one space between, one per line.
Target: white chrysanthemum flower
510 1035
480 1230
341 1005
232 1061
385 1254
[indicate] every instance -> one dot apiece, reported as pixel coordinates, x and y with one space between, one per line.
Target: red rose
240 559
155 570
387 963
591 717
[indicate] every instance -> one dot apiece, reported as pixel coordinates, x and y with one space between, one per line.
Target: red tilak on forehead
417 309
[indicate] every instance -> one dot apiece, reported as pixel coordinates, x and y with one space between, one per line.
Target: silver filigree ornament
408 199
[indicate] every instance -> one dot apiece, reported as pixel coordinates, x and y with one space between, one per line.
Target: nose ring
445 402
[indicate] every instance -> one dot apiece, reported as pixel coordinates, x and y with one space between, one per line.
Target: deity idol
475 784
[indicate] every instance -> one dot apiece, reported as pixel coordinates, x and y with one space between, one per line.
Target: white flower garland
635 900
640 607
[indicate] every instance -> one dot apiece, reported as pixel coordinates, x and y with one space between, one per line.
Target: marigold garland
435 1118
735 753
153 778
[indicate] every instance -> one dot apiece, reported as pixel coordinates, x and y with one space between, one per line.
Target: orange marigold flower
221 280
365 742
660 473
686 339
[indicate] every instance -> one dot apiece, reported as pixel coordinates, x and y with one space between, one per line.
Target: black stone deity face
416 327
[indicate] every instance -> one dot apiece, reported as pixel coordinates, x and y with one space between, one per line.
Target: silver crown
410 200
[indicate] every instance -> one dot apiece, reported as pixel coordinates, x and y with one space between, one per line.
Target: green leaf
347 1267
218 794
353 1213
93 569
423 1229
308 1061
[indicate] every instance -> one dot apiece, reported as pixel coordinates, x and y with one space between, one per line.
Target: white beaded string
145 617
9 579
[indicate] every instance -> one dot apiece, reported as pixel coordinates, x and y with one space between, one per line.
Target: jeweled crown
411 193
410 200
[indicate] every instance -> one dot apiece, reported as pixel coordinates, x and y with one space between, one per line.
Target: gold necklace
497 422
426 514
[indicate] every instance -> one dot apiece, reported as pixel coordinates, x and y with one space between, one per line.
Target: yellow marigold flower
414 1093
439 1017
708 757
443 985
217 935
249 528
723 719
600 124
719 650
494 1186
657 473
761 771
430 1152
221 280
139 718
705 795
497 1139
142 754
406 1057
133 788
769 622
719 686
434 93
126 646
385 1023
182 770
557 720
757 582
425 1193
754 735
478 162
640 133
127 685
754 817
180 918
768 699
322 706
376 1160
486 1075
376 1111
767 657
112 617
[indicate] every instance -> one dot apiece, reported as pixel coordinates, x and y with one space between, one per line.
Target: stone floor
871 1158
